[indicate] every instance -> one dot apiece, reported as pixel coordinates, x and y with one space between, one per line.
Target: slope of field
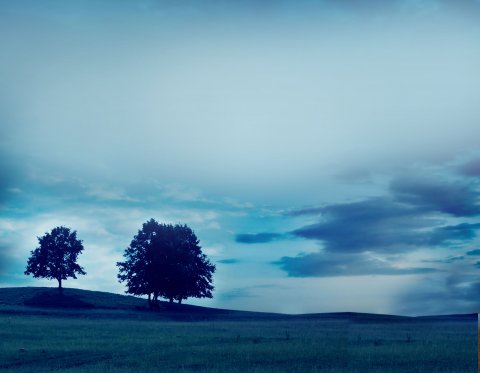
46 297
45 300
102 332
48 301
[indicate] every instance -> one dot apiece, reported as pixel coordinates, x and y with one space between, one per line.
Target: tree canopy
166 260
56 256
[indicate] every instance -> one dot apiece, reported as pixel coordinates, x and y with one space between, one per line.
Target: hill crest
47 300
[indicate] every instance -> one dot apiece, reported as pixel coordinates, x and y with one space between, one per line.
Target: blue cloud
471 168
236 294
474 252
404 223
246 292
456 199
459 232
460 293
306 211
258 238
324 265
376 224
228 261
400 223
450 259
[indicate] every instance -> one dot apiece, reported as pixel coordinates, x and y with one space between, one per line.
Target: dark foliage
165 260
56 256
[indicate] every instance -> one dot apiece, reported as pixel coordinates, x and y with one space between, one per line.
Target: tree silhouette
166 260
56 256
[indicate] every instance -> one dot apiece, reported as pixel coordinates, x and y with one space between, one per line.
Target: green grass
128 339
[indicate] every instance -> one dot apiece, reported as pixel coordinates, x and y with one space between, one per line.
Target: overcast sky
326 153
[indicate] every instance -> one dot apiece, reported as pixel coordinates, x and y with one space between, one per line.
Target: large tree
56 256
165 260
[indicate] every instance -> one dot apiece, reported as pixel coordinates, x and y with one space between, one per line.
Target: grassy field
124 338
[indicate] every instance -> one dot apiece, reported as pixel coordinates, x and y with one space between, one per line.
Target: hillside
72 298
78 302
44 300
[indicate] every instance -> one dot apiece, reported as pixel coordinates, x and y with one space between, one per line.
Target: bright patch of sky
325 153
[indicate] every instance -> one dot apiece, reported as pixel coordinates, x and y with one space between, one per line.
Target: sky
325 153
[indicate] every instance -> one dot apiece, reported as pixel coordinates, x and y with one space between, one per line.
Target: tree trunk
150 300
170 299
155 299
180 301
60 289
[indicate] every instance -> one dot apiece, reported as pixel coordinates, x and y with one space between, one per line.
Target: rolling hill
78 302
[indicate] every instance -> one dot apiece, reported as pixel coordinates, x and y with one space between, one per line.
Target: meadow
195 339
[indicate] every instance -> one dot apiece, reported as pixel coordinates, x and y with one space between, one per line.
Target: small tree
167 261
56 256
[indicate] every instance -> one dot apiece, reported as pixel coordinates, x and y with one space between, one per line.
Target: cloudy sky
326 153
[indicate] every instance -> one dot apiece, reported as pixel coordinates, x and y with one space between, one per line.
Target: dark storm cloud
450 259
324 265
457 199
258 238
458 293
398 223
453 259
376 224
471 168
474 252
382 225
460 232
344 235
